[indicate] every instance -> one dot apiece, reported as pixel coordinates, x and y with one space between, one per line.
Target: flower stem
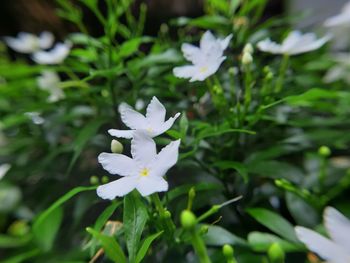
165 215
282 73
248 88
199 247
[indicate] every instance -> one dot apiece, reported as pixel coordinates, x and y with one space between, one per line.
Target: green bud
116 146
203 230
188 219
228 251
269 75
94 180
192 193
105 179
167 214
276 253
247 58
248 48
18 228
233 70
324 151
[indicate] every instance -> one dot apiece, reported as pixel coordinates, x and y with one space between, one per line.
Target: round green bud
167 214
248 48
116 146
203 230
247 58
228 251
104 179
188 219
276 253
19 228
94 180
192 193
233 71
324 151
269 75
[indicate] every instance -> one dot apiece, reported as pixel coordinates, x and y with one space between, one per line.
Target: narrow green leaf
134 220
274 222
24 257
110 246
218 236
106 214
7 241
45 230
145 245
239 167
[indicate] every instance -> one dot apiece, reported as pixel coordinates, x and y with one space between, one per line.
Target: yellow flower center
149 129
144 172
203 69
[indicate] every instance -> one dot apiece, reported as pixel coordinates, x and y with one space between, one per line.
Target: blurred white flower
54 56
342 19
49 81
4 169
28 43
206 58
140 104
337 248
153 123
144 171
295 43
339 71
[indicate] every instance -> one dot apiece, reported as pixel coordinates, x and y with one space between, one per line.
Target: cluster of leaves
266 151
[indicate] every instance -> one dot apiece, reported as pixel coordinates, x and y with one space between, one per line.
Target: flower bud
94 180
19 228
324 151
192 193
276 253
247 58
105 179
167 214
228 252
116 146
248 48
188 219
204 229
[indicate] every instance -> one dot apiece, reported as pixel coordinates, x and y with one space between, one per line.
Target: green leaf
106 214
145 245
261 242
239 167
45 230
131 46
183 189
274 222
134 220
83 137
218 236
110 246
7 241
24 257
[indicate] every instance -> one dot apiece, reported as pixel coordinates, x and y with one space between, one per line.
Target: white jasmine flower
337 248
50 82
153 123
206 58
342 19
28 43
143 172
295 43
54 56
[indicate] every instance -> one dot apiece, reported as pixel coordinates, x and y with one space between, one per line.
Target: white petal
46 40
127 134
155 113
309 45
338 227
207 41
291 41
211 67
165 159
185 71
117 163
269 46
24 43
132 118
192 53
4 168
225 42
55 56
143 148
166 125
149 185
116 188
322 246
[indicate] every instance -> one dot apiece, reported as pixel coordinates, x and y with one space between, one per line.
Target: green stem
322 174
282 73
248 88
164 215
199 247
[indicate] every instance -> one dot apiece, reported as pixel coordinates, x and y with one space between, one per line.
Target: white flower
340 71
54 56
295 43
153 123
28 43
337 248
342 19
144 171
49 81
206 58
